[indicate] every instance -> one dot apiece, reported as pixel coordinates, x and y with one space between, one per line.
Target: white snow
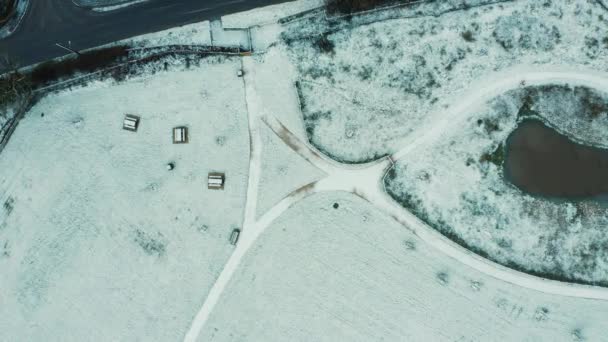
271 90
268 15
282 171
191 34
98 238
380 82
228 38
444 181
117 7
354 274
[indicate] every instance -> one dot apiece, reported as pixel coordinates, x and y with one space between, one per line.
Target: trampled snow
191 34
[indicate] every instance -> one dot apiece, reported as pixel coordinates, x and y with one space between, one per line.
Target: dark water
543 162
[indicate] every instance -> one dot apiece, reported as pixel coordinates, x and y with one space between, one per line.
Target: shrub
86 62
6 7
497 157
354 6
324 45
468 36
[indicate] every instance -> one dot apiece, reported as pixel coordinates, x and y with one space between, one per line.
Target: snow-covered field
367 88
98 240
354 274
456 184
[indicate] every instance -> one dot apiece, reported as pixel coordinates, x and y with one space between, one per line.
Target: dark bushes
86 62
6 8
354 6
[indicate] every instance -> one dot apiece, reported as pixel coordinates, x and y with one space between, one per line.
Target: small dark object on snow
240 73
336 205
180 135
130 123
170 166
234 237
215 180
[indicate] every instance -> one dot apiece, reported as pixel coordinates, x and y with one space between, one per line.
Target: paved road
50 21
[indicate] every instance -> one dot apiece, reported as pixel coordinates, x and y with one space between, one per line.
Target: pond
541 161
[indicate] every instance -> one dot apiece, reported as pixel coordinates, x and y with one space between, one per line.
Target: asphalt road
58 21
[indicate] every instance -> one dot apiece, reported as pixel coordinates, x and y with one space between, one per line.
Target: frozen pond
541 161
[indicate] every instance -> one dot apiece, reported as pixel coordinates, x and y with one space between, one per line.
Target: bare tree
15 87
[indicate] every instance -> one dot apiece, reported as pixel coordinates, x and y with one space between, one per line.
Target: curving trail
366 181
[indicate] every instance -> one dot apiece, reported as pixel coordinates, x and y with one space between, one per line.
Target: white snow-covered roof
180 134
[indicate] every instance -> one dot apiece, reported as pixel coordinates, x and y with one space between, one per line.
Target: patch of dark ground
354 6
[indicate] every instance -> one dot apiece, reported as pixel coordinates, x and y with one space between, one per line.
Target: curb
92 7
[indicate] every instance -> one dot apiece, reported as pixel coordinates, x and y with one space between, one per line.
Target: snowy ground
268 15
456 184
97 238
108 8
367 88
282 171
354 274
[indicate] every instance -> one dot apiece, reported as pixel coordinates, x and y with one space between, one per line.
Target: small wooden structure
215 181
130 123
180 135
234 236
240 73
